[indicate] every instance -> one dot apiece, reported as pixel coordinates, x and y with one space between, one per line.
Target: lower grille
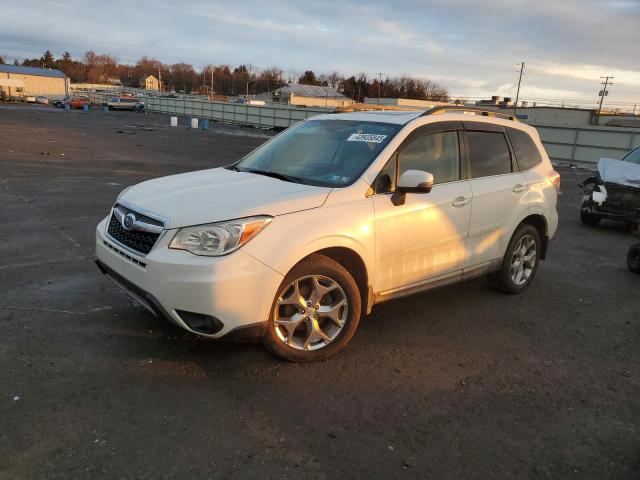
124 254
137 240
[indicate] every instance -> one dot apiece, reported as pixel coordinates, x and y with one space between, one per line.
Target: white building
408 103
558 115
307 96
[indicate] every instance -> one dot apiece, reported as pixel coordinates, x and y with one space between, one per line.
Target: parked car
124 103
340 212
250 101
42 99
614 191
79 102
29 99
60 102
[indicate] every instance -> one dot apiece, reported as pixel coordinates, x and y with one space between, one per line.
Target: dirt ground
457 383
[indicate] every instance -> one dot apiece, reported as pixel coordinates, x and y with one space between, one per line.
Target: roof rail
460 108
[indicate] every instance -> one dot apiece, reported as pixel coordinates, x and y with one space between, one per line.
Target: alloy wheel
523 260
310 312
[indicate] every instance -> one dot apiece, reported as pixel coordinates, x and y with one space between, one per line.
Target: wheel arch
539 222
355 265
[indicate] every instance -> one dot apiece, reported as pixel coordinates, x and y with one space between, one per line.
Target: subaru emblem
128 221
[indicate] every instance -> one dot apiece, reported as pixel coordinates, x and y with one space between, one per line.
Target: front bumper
235 289
612 201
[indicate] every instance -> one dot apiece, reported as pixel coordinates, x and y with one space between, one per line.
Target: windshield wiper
279 176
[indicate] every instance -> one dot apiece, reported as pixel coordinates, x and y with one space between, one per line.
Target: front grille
137 240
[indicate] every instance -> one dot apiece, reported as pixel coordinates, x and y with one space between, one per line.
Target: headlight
218 238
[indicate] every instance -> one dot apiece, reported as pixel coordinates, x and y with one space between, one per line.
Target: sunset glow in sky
469 46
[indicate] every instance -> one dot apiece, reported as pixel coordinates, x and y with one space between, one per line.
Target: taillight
554 178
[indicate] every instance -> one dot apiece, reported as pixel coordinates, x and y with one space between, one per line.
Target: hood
218 194
617 171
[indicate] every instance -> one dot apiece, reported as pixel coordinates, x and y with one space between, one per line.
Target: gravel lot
457 383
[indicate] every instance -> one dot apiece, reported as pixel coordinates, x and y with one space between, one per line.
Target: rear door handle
519 188
460 201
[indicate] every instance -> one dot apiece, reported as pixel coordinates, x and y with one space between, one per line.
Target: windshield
332 153
633 156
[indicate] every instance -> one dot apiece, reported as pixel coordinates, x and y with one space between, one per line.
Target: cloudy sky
470 46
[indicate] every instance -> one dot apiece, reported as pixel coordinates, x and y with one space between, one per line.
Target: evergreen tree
47 59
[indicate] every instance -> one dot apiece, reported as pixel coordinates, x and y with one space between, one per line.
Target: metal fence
587 144
563 143
268 116
99 96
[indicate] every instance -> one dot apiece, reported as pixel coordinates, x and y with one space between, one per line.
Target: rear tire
315 312
633 258
520 261
589 219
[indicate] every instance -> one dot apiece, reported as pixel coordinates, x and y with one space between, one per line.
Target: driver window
436 153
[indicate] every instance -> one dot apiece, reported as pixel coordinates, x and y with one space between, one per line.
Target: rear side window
527 154
489 154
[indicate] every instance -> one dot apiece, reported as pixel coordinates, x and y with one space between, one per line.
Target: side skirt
420 287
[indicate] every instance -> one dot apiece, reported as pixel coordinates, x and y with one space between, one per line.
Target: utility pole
515 108
211 91
603 93
159 79
379 83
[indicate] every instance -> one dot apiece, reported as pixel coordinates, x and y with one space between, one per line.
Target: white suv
334 215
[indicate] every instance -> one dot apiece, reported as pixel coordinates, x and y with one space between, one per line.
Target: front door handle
460 201
519 188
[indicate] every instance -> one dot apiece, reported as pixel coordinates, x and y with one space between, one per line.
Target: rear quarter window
527 153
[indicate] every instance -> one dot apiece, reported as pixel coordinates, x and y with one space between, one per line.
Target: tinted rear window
489 154
527 154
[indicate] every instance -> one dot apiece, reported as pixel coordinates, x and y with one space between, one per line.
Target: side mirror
412 181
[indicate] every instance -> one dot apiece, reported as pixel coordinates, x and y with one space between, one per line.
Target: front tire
520 261
315 312
633 258
589 219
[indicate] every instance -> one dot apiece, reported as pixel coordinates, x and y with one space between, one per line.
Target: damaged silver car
614 191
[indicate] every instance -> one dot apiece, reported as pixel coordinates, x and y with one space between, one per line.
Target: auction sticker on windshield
366 137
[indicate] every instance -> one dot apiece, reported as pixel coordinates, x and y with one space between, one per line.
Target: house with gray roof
307 96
